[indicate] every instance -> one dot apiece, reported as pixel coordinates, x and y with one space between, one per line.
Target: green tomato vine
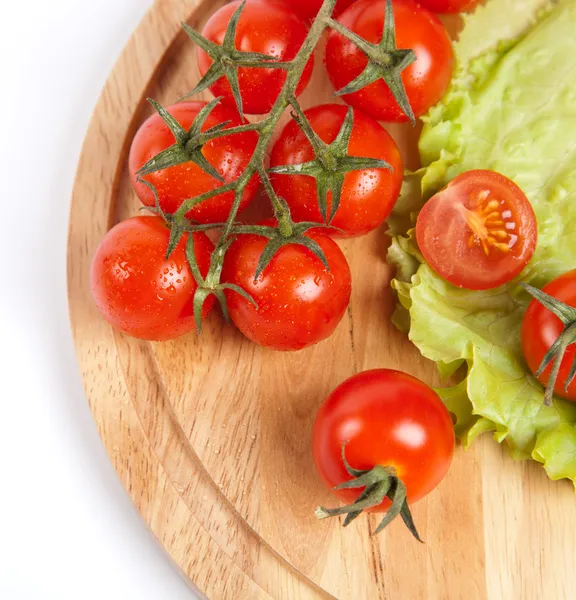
331 163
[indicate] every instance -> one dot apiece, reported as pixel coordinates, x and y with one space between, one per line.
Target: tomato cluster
333 171
183 152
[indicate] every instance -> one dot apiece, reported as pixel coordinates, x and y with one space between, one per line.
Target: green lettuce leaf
512 109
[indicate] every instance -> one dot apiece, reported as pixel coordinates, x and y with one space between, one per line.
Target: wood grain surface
211 436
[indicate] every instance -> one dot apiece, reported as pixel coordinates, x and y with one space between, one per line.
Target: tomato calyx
189 144
331 164
385 61
379 483
555 355
285 234
278 241
227 59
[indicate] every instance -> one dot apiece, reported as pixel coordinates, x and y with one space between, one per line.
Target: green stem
317 145
231 131
216 264
281 211
198 227
365 46
180 215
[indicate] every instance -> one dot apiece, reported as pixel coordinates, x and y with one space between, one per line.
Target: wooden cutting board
211 436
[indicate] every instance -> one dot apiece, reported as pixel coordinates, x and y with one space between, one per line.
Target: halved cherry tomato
449 6
300 303
268 28
368 196
385 418
426 80
229 155
541 328
479 232
137 289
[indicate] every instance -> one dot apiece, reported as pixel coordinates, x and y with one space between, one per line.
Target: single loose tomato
140 291
300 303
308 9
541 328
229 155
479 232
387 419
449 6
426 80
266 28
368 196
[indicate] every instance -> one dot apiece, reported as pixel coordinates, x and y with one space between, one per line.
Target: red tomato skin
228 155
269 28
442 236
541 328
308 9
388 418
139 291
449 6
368 196
299 302
426 80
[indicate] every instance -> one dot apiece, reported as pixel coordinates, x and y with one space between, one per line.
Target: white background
68 531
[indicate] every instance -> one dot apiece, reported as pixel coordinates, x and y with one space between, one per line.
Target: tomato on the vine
449 6
388 421
300 303
479 232
266 28
368 196
426 80
229 155
140 291
308 9
540 330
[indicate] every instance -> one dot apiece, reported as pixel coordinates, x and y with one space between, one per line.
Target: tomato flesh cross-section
479 232
491 223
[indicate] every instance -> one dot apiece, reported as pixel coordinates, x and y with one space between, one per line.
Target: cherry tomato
308 9
228 155
479 232
299 302
367 196
385 418
426 80
268 28
449 6
541 328
137 289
